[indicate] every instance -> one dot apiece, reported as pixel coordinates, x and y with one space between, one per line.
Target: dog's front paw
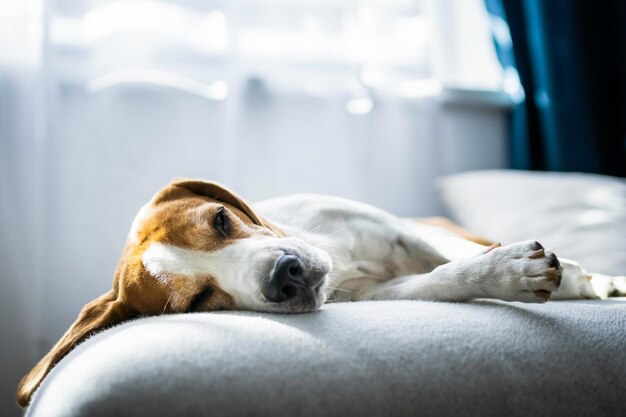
522 272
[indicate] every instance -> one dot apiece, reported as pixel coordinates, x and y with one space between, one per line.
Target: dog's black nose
287 279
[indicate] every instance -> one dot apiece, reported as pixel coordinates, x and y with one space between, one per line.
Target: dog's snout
286 280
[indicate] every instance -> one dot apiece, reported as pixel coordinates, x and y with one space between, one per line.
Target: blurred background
102 102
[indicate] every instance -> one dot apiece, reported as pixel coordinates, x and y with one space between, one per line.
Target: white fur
431 263
374 255
143 214
239 269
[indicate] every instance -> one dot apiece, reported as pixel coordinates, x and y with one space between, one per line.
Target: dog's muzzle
292 280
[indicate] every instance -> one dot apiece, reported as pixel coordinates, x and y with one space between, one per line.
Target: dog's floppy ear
101 313
217 192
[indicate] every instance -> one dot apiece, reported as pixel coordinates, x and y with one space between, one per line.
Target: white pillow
579 216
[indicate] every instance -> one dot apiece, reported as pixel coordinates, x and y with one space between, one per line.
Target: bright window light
414 48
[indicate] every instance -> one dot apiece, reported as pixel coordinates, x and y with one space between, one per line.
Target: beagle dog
197 246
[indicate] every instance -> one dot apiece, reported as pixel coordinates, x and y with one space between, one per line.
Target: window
405 47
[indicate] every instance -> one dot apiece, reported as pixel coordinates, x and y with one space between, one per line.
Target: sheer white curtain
102 102
22 135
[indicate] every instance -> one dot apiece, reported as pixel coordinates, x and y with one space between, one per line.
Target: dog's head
196 246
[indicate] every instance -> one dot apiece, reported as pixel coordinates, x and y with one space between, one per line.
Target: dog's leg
519 272
577 283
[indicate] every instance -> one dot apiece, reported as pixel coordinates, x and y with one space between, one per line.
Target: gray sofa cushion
371 358
579 216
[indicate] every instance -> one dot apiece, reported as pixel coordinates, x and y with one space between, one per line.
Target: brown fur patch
183 291
181 214
544 295
453 227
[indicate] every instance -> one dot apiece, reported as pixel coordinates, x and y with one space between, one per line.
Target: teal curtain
571 59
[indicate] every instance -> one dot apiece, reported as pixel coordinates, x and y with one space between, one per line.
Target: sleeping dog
196 246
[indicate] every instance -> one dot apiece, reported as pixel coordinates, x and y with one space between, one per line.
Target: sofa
387 358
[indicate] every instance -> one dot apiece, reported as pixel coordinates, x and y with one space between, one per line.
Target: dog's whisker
334 232
315 229
339 289
166 303
334 288
321 244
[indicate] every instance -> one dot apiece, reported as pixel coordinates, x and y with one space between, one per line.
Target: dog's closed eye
222 222
200 298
